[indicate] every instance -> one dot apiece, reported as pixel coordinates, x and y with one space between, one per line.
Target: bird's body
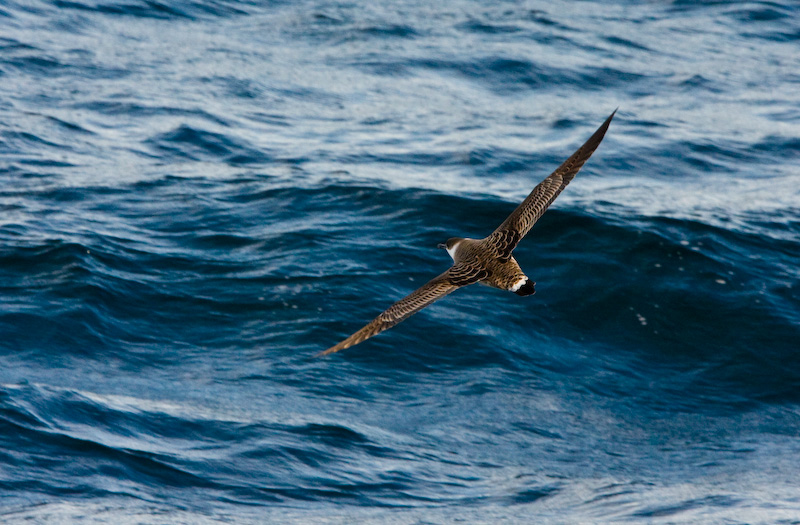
488 260
479 253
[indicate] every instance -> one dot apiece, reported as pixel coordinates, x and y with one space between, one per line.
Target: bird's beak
442 245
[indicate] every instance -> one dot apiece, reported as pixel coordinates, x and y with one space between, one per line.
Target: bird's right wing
457 276
505 238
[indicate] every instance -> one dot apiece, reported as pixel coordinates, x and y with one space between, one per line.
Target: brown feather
487 260
458 275
506 237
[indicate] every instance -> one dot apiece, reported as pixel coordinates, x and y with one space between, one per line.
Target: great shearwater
488 260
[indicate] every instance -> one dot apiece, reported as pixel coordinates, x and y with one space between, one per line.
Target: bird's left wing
457 276
505 238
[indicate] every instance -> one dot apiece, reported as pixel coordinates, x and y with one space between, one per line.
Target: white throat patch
452 251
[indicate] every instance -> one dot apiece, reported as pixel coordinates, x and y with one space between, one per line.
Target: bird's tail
526 289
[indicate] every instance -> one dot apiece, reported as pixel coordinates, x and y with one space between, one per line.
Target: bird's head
451 245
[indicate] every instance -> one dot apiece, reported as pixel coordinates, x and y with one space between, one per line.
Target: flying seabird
487 261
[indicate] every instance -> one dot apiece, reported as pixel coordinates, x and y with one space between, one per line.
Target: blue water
198 196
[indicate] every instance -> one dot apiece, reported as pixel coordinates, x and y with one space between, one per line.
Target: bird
487 261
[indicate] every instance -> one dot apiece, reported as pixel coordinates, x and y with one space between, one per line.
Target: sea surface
196 197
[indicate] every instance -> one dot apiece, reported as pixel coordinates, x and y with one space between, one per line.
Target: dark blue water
198 196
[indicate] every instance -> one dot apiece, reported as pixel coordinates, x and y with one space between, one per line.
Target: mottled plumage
487 260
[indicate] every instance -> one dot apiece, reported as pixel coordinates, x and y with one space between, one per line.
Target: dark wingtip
332 350
605 124
526 289
588 148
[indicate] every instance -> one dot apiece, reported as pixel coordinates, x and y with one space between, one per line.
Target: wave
263 266
167 10
198 196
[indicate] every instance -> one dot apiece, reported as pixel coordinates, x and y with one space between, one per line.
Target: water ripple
198 196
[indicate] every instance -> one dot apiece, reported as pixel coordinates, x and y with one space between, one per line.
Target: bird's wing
505 238
458 275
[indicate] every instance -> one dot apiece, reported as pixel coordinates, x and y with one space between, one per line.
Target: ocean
197 197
